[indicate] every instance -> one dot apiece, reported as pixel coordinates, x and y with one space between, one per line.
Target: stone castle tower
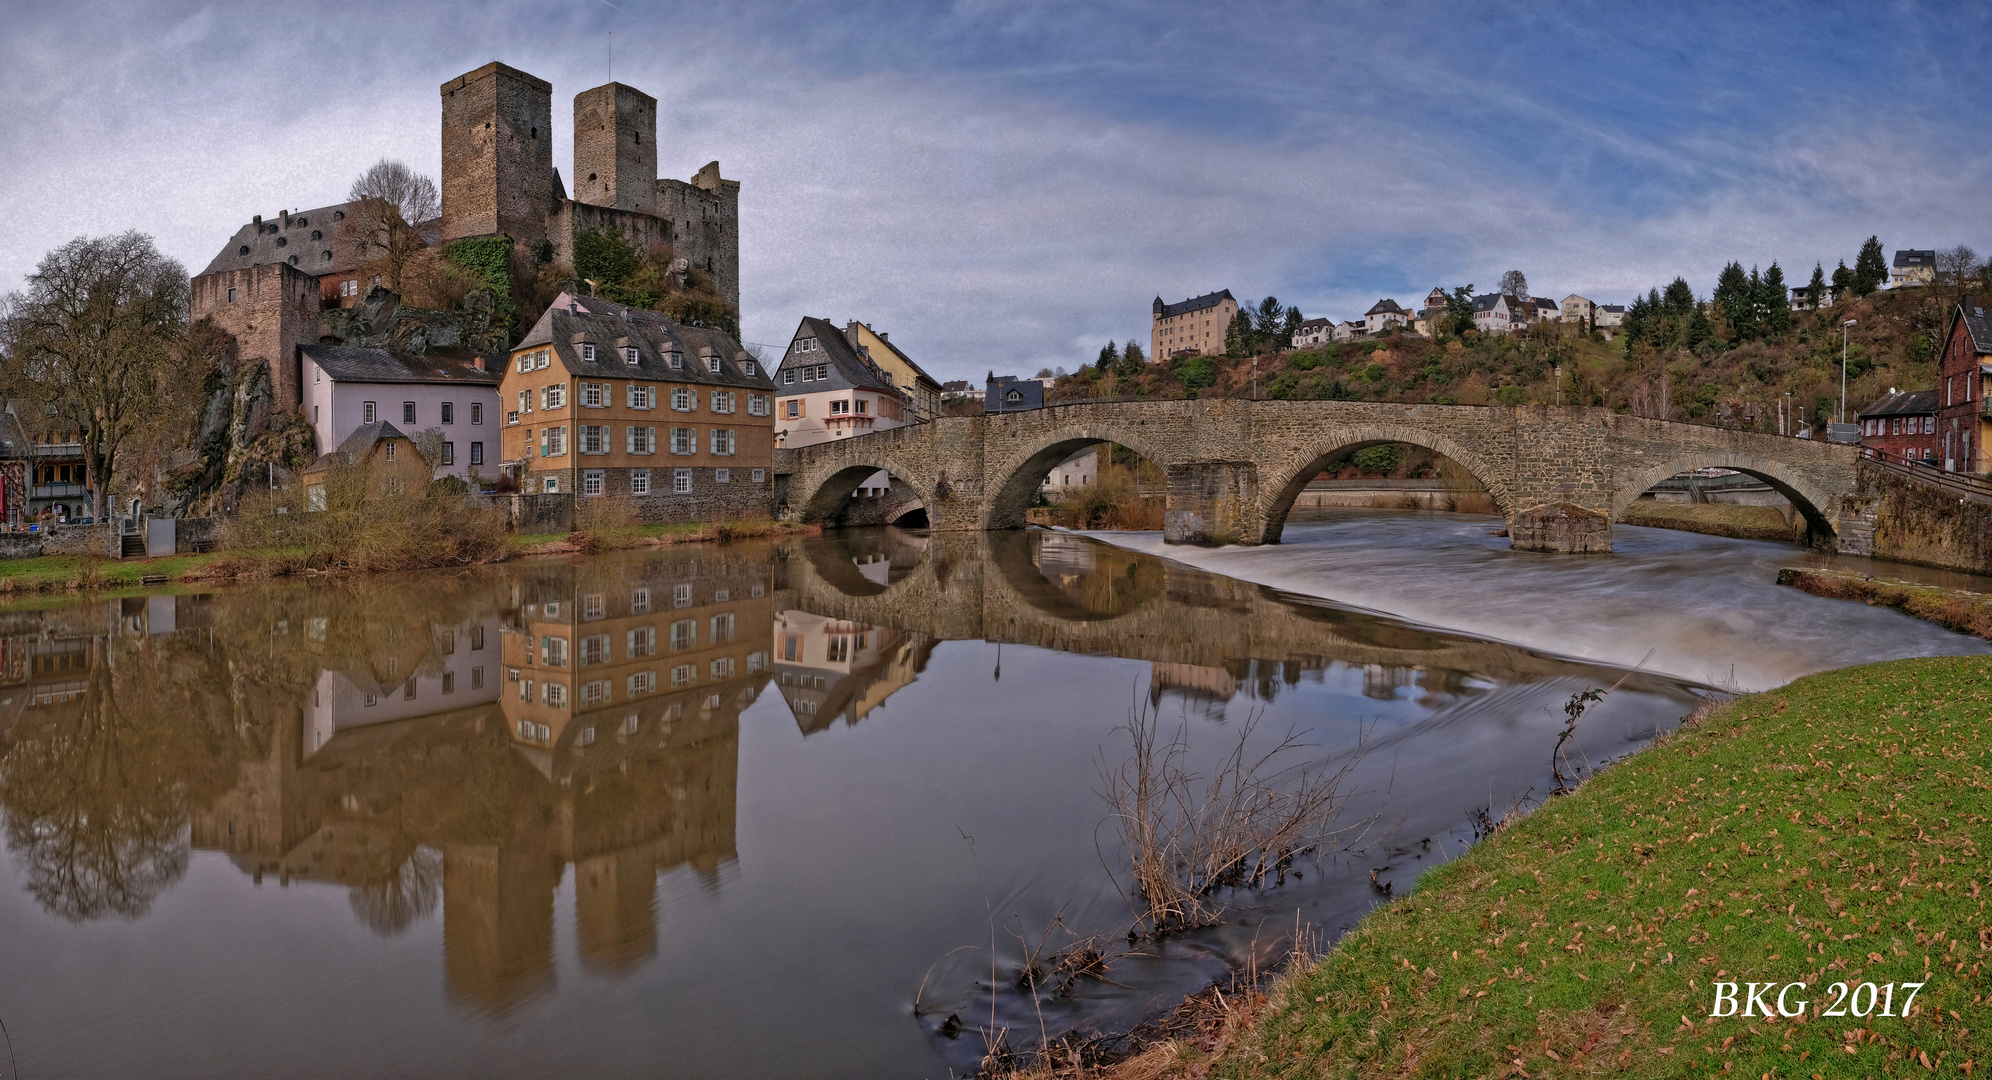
498 174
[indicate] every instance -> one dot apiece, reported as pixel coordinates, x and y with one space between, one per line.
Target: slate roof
848 370
1194 303
1915 257
1618 309
918 371
1544 303
612 327
358 445
1385 306
1977 324
304 239
1486 301
1907 403
346 364
1309 324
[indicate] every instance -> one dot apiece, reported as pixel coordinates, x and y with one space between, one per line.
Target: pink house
345 388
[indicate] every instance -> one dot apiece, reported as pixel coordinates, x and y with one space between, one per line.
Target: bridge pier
1562 529
1212 502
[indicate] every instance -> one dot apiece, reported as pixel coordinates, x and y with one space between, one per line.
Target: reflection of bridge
1012 587
1559 475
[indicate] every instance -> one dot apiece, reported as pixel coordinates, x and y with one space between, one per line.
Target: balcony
58 491
59 449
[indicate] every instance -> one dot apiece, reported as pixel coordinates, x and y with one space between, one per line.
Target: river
725 811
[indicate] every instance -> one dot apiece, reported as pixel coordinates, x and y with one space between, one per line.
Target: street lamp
1844 327
1559 384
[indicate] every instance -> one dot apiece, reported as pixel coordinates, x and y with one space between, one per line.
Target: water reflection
505 764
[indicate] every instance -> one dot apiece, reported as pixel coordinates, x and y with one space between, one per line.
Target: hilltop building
1383 315
1194 327
1912 267
1314 332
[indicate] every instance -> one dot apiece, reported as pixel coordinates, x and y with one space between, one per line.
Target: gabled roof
847 369
1618 309
1487 301
1195 303
1309 324
918 371
350 365
611 327
1915 257
1907 403
358 445
1976 323
1386 306
1542 302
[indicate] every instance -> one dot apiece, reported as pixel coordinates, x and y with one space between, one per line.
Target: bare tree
90 346
1955 270
386 208
1514 283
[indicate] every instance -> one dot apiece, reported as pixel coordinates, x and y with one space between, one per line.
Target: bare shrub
1190 837
604 524
374 516
432 281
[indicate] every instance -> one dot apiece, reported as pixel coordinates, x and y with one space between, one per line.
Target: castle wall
615 148
270 310
569 218
705 226
497 154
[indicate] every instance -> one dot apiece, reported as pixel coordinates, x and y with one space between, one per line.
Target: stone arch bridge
1559 475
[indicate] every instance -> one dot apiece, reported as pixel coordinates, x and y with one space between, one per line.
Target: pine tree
1131 361
1843 280
1459 309
1870 267
1238 335
1773 305
1733 299
1634 325
1679 299
1698 331
1817 287
1266 323
1290 327
1109 358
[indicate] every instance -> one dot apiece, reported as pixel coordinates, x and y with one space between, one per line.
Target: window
642 397
594 438
681 596
525 401
449 453
449 682
681 481
368 412
722 401
525 362
587 353
556 696
757 661
684 634
556 397
681 399
631 723
757 404
640 440
760 475
591 482
477 453
643 682
641 641
477 412
712 364
449 412
477 677
676 359
639 481
722 668
788 377
595 649
683 675
639 601
630 355
553 651
390 450
231 299
553 441
823 373
747 366
722 441
840 408
545 358
722 476
722 627
408 412
684 440
317 374
587 736
551 485
864 406
314 414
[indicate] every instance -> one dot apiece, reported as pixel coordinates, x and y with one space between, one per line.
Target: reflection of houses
461 670
830 668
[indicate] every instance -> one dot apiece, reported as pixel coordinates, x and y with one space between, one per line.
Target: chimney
477 362
285 215
885 337
259 223
573 307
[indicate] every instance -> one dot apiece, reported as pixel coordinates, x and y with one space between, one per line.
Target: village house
1314 332
1543 309
1351 330
1576 309
1194 327
827 389
391 464
456 399
1912 266
1071 475
1383 315
1801 297
604 399
1902 425
1962 369
1610 316
1497 313
923 394
1007 393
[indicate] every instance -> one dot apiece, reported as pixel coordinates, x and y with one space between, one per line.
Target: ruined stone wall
270 310
615 148
497 154
1921 523
705 227
569 218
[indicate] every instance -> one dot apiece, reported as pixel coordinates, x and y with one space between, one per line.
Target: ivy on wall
489 258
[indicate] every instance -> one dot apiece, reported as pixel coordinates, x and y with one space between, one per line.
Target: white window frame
639 481
712 364
639 396
722 476
760 476
684 440
477 453
591 395
476 413
631 356
683 400
594 482
722 401
369 412
681 481
587 352
722 442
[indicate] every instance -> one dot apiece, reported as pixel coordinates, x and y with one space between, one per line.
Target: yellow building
1194 327
923 394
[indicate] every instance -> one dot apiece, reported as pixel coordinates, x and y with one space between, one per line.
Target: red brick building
1963 420
1904 425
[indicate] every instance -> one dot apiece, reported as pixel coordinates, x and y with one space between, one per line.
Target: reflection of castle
828 668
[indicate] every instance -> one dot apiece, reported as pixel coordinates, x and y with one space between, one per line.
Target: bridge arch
1810 501
825 491
1023 470
1281 480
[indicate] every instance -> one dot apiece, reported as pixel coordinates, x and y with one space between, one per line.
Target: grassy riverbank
1716 519
1837 829
58 573
1952 609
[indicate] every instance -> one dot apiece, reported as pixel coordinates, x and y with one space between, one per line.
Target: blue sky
1007 185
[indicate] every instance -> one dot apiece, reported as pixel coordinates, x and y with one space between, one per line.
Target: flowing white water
1697 607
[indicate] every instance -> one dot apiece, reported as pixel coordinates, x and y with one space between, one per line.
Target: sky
1008 186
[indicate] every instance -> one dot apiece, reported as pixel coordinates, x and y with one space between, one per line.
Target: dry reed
368 519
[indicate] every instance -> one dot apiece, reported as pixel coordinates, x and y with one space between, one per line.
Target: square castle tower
499 178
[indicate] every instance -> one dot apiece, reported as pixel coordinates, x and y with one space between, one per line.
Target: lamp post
1844 328
1559 384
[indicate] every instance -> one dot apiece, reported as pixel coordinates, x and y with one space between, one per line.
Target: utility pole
1843 367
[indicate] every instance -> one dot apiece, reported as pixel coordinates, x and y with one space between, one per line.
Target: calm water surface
720 812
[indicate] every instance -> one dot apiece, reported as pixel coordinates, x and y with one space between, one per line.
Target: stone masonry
1559 475
497 154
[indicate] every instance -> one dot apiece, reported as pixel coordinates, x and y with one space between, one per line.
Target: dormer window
747 366
587 353
677 361
712 364
630 355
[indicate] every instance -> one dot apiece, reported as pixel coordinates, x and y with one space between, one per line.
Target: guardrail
1964 484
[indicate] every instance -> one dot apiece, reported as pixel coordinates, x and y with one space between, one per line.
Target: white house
1912 266
1610 316
1497 313
1351 330
1072 474
1314 332
1576 309
347 388
1545 309
1383 315
826 389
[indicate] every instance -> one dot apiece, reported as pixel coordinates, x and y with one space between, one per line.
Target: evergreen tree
1679 299
1843 280
1290 327
1266 323
1238 335
1734 300
1459 309
1870 267
1773 305
1132 361
1637 317
1699 331
1817 287
1109 358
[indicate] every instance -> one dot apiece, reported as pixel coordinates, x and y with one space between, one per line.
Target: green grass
1716 519
61 571
1833 830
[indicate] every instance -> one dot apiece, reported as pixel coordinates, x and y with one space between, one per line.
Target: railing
59 449
58 491
1964 484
